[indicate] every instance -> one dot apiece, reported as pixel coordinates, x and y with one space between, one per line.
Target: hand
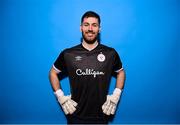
68 105
109 107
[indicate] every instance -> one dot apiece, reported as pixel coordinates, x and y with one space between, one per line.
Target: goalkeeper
89 67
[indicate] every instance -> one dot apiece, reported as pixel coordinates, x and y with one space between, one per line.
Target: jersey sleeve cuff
57 70
119 70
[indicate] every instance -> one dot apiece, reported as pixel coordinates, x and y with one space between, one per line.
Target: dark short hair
90 14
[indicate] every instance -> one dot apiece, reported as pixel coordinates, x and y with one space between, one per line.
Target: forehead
90 20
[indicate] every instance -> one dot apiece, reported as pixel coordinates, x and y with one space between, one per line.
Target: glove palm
68 105
109 107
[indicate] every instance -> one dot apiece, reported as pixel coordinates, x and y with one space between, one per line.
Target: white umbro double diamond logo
78 58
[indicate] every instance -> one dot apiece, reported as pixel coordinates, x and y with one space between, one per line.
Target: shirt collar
84 46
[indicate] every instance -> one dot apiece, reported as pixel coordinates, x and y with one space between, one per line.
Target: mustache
90 32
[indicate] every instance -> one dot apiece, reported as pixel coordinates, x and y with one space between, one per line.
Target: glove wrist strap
59 93
117 91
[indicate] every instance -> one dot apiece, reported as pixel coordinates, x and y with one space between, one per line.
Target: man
89 67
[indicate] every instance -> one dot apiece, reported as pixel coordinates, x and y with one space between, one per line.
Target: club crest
101 57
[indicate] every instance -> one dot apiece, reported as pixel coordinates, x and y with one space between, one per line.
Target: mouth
90 34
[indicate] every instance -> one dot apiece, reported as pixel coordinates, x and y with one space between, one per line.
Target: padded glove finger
113 109
109 109
106 107
65 109
105 104
70 107
74 103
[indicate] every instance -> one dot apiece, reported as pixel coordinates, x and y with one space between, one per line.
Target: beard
88 40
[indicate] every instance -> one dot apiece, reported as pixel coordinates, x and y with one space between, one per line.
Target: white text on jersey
80 72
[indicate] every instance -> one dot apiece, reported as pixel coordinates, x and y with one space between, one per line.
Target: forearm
120 79
53 77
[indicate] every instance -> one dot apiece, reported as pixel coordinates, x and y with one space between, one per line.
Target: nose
90 28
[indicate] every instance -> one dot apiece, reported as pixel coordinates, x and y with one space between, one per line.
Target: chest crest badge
101 57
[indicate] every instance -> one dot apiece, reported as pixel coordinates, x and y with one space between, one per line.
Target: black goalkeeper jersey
89 74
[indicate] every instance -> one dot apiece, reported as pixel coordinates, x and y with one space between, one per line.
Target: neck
89 46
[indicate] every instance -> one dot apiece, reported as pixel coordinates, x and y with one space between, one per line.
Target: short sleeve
60 65
117 64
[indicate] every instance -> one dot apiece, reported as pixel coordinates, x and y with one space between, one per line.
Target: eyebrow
92 23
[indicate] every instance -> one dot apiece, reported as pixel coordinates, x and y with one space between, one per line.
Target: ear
80 28
99 29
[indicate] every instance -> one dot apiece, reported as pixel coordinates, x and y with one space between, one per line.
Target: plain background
144 32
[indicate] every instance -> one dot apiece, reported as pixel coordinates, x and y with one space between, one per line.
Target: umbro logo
78 58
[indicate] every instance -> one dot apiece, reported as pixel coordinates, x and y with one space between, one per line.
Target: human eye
85 24
95 25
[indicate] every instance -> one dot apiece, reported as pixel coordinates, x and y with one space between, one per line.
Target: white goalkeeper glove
68 105
109 107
